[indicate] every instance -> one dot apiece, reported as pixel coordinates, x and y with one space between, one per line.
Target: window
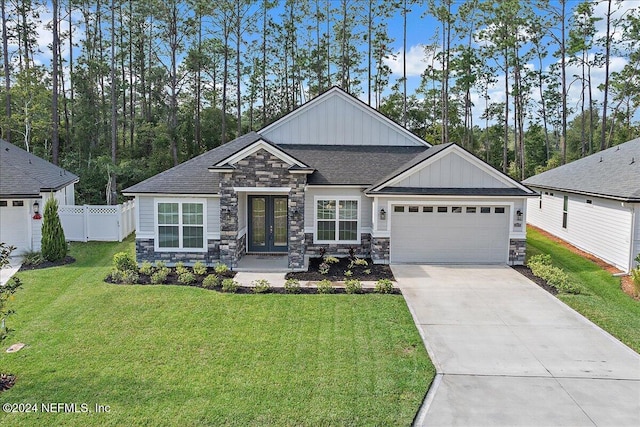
456 209
442 209
3 203
337 220
427 209
413 209
499 210
471 210
180 225
565 208
398 208
485 209
17 203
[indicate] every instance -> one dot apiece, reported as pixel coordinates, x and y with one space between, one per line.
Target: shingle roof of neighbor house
613 173
23 174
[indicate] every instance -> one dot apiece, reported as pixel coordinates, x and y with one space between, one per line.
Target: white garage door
14 220
449 234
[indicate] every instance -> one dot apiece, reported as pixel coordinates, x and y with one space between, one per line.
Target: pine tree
54 245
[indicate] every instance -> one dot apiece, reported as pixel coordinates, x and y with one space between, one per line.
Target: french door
268 224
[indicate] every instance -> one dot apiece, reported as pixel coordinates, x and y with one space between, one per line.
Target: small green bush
323 268
324 287
186 278
348 273
126 277
292 286
353 286
554 276
32 258
229 285
220 268
544 259
211 281
635 278
331 260
181 269
384 286
359 262
261 286
199 268
147 268
54 244
160 276
161 264
367 271
123 261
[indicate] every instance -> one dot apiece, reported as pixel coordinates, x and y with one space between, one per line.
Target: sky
420 31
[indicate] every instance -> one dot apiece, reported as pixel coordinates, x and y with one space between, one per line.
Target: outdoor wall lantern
36 210
383 214
519 215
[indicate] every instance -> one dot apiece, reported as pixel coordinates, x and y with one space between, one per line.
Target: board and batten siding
336 192
602 227
337 120
451 171
636 249
146 216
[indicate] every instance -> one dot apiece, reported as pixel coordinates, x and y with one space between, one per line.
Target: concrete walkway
510 354
7 273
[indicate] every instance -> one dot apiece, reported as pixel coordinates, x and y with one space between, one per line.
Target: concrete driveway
510 354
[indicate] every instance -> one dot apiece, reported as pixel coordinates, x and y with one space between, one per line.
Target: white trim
180 202
337 199
509 182
173 196
257 146
214 235
262 190
335 187
336 91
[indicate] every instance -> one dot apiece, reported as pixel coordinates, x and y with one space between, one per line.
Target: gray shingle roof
612 173
23 174
193 176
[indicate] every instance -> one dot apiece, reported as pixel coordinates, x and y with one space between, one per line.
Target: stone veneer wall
363 249
517 251
380 250
145 252
261 169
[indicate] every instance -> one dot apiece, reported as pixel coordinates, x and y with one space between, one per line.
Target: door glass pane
258 221
280 221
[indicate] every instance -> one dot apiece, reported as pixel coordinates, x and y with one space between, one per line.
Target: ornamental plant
54 244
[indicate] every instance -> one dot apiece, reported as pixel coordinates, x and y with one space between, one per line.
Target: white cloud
418 59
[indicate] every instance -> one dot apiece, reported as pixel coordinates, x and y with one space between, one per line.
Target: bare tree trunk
111 199
238 72
55 137
198 130
369 25
607 59
505 149
7 76
225 72
563 65
404 64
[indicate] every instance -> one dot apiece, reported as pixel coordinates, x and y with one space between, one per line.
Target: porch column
296 223
228 224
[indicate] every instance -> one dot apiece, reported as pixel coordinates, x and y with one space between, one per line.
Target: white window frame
337 199
180 202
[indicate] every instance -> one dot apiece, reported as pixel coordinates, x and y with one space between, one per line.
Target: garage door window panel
337 220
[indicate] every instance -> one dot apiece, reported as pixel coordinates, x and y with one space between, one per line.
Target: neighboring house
333 174
26 181
593 203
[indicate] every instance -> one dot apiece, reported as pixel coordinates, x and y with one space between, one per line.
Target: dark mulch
526 271
337 270
6 381
47 264
306 291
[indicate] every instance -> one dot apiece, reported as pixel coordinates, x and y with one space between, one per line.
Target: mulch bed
47 264
6 381
337 270
172 278
526 272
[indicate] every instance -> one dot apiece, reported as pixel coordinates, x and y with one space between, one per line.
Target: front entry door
268 224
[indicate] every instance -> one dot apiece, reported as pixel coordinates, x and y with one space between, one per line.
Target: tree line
135 87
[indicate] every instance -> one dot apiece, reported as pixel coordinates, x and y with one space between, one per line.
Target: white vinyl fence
107 223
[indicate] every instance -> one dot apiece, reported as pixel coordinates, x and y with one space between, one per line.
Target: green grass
603 302
169 355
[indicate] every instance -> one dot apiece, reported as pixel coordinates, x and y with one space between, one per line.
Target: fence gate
108 223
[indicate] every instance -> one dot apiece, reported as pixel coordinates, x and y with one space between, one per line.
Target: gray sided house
337 175
26 180
593 203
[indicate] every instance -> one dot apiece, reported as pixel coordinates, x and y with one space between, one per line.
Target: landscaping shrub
635 277
125 277
199 268
186 278
261 286
32 258
353 286
181 269
229 285
161 264
384 286
331 260
324 287
123 261
540 266
544 259
211 281
323 268
160 276
348 273
54 245
359 262
146 268
292 286
220 268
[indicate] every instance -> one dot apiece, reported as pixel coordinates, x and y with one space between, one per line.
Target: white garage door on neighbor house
14 222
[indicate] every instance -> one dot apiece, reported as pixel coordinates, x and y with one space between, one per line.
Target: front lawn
173 355
604 302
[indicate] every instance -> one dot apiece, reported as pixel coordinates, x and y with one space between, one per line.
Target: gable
337 118
257 146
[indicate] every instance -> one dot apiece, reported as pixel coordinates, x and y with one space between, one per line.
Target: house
25 181
593 203
333 174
